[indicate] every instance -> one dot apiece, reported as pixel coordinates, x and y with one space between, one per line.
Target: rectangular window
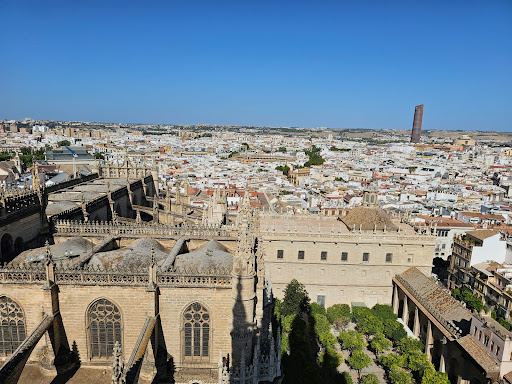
280 254
497 350
323 256
389 257
300 255
409 259
366 256
320 300
344 256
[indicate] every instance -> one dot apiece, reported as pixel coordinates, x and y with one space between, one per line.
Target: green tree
285 343
327 339
277 308
351 340
359 312
393 330
234 153
296 299
358 360
64 143
408 345
418 362
370 325
384 312
504 323
346 378
433 377
321 324
282 149
399 375
329 358
392 359
338 311
286 322
370 378
315 308
380 344
283 168
98 155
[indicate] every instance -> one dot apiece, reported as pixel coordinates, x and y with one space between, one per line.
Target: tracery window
12 326
105 328
196 325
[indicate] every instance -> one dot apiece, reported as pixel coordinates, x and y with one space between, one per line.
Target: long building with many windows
347 260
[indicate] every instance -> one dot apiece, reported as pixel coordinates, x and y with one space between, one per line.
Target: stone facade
97 292
338 265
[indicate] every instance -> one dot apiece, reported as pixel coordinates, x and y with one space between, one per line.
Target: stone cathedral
105 281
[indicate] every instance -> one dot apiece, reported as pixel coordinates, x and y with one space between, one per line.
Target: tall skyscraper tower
416 124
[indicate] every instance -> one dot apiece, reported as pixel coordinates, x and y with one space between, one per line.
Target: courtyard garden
344 345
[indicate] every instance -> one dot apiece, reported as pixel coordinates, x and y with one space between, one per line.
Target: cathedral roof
368 218
68 249
211 255
137 255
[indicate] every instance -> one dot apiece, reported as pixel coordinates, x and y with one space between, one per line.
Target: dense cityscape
256 192
338 255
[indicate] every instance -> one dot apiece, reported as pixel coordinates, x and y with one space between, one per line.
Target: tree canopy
296 299
380 344
370 325
398 375
315 308
351 340
408 345
370 378
338 311
393 330
358 360
433 377
329 358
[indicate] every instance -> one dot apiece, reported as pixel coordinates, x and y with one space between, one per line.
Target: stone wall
353 280
135 304
26 228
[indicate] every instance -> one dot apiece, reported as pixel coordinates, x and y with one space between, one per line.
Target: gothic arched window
12 326
196 325
105 328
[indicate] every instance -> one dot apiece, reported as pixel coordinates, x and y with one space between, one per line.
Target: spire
118 375
153 255
48 257
152 270
49 266
246 203
35 176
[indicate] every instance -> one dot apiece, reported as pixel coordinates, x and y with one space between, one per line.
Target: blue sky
339 64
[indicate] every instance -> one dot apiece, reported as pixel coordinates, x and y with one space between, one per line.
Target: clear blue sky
336 64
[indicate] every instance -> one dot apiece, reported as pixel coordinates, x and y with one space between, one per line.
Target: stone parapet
143 229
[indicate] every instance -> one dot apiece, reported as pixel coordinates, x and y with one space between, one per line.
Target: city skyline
292 65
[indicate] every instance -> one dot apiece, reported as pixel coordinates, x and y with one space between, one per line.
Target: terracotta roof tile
485 360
